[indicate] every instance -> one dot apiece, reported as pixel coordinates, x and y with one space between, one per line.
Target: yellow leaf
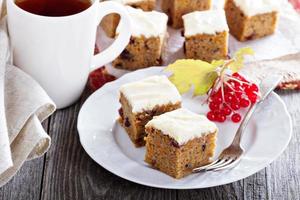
218 63
239 58
192 73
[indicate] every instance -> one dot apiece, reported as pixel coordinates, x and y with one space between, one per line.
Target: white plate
267 135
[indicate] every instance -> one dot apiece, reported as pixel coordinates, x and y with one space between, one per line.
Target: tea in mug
54 8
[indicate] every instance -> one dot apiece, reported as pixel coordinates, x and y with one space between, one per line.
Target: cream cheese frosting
147 23
145 94
255 7
205 22
183 125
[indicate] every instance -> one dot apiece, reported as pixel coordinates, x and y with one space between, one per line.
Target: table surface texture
67 172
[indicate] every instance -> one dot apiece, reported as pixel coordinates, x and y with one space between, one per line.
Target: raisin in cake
148 36
110 22
206 35
144 99
179 141
177 8
251 19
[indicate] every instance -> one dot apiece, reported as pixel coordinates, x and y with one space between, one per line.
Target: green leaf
193 73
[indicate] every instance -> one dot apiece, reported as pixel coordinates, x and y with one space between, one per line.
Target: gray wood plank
26 184
255 186
71 174
230 191
283 176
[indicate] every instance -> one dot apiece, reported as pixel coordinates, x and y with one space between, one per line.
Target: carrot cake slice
147 41
251 19
144 99
179 141
177 8
110 22
206 35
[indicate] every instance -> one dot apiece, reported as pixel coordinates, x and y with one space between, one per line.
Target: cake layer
205 22
244 28
164 154
129 1
183 125
150 92
140 53
147 23
207 47
255 7
177 8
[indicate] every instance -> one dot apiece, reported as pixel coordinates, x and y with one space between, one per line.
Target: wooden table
67 172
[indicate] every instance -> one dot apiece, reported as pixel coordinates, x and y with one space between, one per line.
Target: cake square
206 35
251 19
147 40
110 22
144 99
179 141
177 8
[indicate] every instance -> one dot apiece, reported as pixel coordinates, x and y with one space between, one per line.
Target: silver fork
233 153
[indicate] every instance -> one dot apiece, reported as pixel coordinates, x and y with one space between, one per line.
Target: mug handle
114 50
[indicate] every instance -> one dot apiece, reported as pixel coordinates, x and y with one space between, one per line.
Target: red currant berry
217 94
226 111
230 82
236 99
217 112
253 87
235 106
244 103
236 118
228 98
238 94
244 86
211 116
227 89
213 106
238 76
235 75
221 118
252 98
248 90
217 100
238 90
237 85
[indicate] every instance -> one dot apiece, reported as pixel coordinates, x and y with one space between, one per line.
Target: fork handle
238 136
267 86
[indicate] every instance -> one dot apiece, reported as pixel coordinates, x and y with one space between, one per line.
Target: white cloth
23 106
285 66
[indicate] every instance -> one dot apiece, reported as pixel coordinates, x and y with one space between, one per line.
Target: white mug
58 51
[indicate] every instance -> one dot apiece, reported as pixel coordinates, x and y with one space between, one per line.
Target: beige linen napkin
2 8
23 106
287 66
